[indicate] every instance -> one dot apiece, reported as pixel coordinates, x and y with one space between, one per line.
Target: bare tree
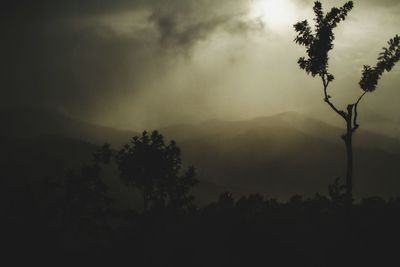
318 44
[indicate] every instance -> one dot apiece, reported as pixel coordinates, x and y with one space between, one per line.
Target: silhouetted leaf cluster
386 61
319 43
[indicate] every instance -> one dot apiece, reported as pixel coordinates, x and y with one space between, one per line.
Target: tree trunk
348 139
145 201
349 169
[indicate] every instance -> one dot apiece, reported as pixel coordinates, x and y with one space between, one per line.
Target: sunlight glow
276 14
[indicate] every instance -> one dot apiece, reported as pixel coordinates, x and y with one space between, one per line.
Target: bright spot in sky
276 14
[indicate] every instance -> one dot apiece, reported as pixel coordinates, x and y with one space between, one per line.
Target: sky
151 63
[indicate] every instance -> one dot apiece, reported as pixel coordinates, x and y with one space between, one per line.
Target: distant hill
33 122
287 154
283 121
278 155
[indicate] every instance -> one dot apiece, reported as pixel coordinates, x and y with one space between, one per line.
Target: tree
318 44
78 207
86 194
155 168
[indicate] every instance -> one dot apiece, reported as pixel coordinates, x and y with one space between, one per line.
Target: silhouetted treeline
74 219
250 231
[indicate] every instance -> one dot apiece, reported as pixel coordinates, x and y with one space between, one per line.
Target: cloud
84 55
141 60
173 33
182 24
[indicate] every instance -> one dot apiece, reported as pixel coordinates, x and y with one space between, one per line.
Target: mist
149 64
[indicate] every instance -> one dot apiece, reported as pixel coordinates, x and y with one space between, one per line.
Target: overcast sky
149 63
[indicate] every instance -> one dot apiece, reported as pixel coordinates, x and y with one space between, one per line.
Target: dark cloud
88 56
172 33
183 23
52 9
63 53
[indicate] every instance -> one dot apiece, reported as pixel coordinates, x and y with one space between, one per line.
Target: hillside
33 122
279 155
287 154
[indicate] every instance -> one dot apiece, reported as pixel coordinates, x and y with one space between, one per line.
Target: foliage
85 192
386 61
319 44
253 231
337 193
83 198
155 167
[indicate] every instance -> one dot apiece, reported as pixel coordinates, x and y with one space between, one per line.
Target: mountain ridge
278 155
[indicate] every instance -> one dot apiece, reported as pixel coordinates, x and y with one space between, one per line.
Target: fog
148 64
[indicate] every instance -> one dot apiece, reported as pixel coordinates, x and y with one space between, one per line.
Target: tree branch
327 97
355 124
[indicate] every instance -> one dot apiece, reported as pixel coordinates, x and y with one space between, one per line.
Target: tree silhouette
154 167
86 200
336 194
318 44
85 192
77 205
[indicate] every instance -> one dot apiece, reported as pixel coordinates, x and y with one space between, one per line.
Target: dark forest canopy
76 216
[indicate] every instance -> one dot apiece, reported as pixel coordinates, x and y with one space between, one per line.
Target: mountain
279 155
33 122
286 121
286 154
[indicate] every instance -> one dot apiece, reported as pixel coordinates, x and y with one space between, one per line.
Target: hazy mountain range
279 155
